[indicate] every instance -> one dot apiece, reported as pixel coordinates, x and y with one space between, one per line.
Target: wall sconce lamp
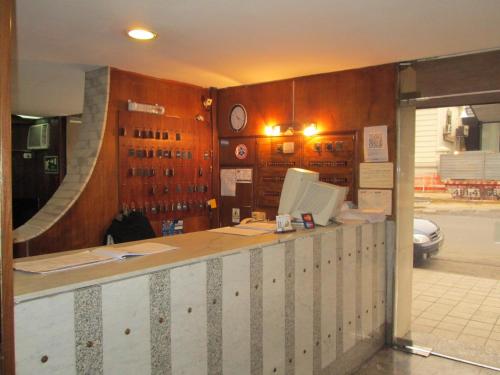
310 130
272 130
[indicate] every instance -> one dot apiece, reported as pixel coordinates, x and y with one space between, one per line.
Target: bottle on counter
164 228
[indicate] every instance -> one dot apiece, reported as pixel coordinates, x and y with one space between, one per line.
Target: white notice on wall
375 200
375 143
235 215
376 175
244 176
228 182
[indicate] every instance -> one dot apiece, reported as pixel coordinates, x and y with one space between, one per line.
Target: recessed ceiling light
141 34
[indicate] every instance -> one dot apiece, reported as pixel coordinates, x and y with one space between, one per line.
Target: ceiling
224 43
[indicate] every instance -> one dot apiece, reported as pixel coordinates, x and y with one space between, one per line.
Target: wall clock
238 117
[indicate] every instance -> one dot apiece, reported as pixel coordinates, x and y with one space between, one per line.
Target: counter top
192 247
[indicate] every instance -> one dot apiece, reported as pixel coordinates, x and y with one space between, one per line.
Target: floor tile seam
482 329
458 333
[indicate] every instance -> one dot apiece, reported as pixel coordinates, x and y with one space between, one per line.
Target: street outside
471 231
456 293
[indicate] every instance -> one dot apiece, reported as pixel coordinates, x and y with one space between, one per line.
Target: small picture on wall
308 221
51 164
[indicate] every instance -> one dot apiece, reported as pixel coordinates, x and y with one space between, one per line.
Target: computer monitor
322 200
293 188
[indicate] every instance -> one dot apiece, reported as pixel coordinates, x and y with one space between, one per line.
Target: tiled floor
457 311
388 361
456 306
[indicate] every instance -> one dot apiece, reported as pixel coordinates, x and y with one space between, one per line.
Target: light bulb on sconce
272 130
310 130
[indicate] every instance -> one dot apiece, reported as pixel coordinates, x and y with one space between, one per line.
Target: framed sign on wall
51 164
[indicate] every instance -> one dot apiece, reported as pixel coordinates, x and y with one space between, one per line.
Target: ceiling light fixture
29 117
141 34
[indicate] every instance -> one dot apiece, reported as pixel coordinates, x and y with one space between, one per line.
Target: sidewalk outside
442 202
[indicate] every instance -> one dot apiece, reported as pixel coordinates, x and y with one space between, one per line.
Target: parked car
427 239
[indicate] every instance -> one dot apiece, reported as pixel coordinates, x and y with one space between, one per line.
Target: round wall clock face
238 117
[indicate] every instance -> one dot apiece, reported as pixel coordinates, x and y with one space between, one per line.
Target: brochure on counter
98 255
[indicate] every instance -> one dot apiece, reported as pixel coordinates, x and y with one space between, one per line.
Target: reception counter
309 302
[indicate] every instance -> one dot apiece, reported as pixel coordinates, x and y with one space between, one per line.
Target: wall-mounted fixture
147 108
272 130
310 130
141 34
286 148
207 103
199 117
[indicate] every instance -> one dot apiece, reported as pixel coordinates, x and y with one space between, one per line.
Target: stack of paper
249 229
89 257
356 215
262 226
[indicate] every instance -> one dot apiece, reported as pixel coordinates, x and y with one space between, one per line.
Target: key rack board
165 166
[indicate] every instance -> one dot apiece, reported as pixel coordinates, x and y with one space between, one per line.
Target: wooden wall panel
265 103
86 221
349 101
340 103
7 27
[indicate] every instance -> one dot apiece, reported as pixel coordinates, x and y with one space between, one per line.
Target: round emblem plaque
241 151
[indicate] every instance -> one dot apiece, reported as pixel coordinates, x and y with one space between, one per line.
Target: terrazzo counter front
310 302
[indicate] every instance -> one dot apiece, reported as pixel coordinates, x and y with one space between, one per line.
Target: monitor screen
322 200
293 188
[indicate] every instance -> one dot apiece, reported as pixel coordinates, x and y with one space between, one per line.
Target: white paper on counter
61 262
121 252
375 143
228 182
238 231
369 199
376 175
